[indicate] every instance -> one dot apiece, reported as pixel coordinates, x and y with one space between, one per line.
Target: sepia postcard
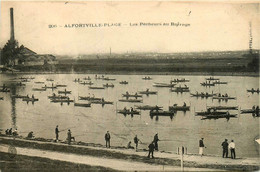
129 86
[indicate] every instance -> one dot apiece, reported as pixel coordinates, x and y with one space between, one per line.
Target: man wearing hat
201 146
225 148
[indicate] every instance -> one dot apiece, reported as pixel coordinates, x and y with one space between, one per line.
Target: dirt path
116 164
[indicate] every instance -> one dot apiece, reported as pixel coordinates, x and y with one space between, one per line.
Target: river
91 124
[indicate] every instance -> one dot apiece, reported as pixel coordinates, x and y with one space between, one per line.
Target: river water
91 124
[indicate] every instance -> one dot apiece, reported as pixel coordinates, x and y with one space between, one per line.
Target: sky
208 26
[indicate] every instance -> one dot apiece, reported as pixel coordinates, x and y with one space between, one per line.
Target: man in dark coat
151 149
155 140
57 133
69 136
225 148
107 138
136 140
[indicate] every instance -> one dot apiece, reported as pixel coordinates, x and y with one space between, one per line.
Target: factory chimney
12 25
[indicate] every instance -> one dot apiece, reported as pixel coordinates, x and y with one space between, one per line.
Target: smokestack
12 24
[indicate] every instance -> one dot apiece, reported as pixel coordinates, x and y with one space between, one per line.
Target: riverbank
130 155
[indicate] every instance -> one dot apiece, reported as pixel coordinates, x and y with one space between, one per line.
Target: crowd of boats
61 96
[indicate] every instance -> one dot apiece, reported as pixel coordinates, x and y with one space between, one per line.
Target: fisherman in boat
207 93
30 135
27 96
252 89
219 95
32 96
197 93
10 131
127 93
156 108
15 133
125 109
129 146
102 100
184 104
147 90
185 86
202 93
226 95
257 110
132 110
7 131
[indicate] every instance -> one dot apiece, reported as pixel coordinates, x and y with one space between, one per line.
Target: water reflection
13 104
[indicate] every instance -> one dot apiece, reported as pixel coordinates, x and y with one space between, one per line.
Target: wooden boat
50 87
25 80
147 107
109 79
206 113
49 80
58 97
219 82
87 78
61 100
82 104
253 91
180 90
39 89
179 108
147 92
86 83
89 98
4 90
129 112
39 82
19 96
223 107
223 98
60 85
20 84
219 116
207 84
249 111
108 85
131 95
161 113
131 100
180 80
100 102
90 87
123 82
147 78
163 85
203 95
212 79
27 99
64 92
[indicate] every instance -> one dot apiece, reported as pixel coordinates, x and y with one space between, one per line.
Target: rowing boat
219 82
90 87
123 82
249 111
58 97
60 85
64 92
89 98
30 99
223 98
38 82
129 112
161 113
219 116
223 107
131 95
253 91
82 104
163 85
86 83
131 100
62 100
50 87
212 79
100 102
207 84
87 78
147 107
179 108
210 113
203 95
108 85
109 79
180 80
49 80
19 96
147 92
180 90
39 89
147 78
4 90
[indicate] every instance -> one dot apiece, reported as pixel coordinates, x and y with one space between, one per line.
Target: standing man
69 136
232 149
155 140
136 140
151 149
225 148
57 133
107 138
201 146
